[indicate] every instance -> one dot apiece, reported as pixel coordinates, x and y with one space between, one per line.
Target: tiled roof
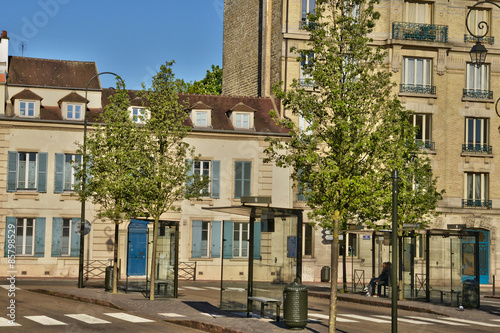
73 97
26 94
52 73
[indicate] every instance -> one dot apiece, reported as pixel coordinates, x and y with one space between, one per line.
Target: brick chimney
4 52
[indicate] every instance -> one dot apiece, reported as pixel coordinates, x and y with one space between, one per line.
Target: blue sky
129 38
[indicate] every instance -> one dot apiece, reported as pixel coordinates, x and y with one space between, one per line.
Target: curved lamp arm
482 24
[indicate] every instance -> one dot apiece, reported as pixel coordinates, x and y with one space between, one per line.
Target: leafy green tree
110 149
161 169
211 84
356 130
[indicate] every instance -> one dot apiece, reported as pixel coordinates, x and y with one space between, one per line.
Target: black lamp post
84 179
478 51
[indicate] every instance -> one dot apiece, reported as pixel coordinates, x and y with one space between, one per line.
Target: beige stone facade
455 117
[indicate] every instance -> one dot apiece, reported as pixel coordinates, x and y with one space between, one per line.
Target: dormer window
242 120
200 118
201 115
27 109
138 115
74 111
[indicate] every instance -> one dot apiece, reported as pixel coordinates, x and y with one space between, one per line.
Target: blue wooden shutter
42 172
215 179
196 241
9 221
12 171
59 174
256 239
57 223
247 178
216 233
40 237
228 239
189 178
75 239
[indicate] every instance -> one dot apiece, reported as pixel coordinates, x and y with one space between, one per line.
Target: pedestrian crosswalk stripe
375 320
495 319
4 322
339 319
465 321
44 320
439 321
214 315
234 289
6 286
412 321
87 319
129 317
171 315
213 288
193 288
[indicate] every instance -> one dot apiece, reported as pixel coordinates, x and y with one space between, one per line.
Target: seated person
381 280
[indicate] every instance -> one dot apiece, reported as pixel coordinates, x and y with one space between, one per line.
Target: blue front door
484 257
137 248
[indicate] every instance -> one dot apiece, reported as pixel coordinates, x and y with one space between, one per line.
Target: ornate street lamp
84 179
478 51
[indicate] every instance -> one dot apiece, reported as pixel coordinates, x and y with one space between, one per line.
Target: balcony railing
471 203
479 94
484 40
427 145
417 89
476 148
419 31
306 24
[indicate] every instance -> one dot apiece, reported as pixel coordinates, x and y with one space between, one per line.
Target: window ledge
26 195
202 259
68 196
206 201
466 154
417 95
478 100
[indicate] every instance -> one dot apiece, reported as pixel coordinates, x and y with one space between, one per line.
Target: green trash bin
108 278
295 306
470 294
325 274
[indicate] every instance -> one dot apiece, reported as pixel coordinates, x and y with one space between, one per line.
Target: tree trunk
153 260
332 327
115 258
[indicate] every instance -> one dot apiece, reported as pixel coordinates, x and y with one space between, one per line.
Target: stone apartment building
428 54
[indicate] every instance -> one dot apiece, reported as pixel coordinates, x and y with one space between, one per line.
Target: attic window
201 118
139 115
74 111
27 109
242 120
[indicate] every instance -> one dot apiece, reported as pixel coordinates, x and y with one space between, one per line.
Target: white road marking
214 315
44 320
235 289
6 286
339 319
411 321
439 321
87 318
193 288
213 288
4 322
129 317
465 321
375 320
171 315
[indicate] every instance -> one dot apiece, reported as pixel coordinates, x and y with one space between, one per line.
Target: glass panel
477 187
420 71
65 244
420 127
470 130
32 171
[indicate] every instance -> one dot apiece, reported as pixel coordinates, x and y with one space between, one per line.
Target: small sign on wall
291 247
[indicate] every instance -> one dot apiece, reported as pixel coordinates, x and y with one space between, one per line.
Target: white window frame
240 242
420 69
308 6
418 12
201 118
476 186
74 111
477 78
139 115
206 227
69 165
242 120
426 129
27 173
204 168
22 249
23 110
66 238
479 128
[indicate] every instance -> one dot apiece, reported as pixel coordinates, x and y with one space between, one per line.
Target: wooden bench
444 292
266 301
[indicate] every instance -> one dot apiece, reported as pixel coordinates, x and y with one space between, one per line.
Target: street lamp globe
478 54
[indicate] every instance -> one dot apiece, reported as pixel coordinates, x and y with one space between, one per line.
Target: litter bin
470 294
295 306
108 278
325 274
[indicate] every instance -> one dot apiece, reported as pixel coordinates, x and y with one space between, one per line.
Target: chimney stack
4 52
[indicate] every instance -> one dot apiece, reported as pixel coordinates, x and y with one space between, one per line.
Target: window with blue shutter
75 239
196 240
12 171
40 237
228 240
242 179
236 236
42 172
216 233
59 174
215 179
57 223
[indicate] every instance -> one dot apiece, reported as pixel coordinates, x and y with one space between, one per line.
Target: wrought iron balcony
484 40
471 203
427 145
420 31
476 148
306 24
479 94
417 89
307 83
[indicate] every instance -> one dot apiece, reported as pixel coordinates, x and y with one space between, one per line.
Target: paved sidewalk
207 317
